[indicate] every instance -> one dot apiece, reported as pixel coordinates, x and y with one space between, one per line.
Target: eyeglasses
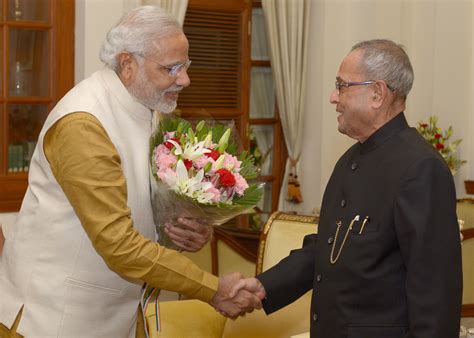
172 71
340 84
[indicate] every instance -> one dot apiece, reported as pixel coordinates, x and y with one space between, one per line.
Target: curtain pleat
287 26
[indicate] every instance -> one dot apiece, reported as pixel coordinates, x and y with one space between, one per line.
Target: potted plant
440 140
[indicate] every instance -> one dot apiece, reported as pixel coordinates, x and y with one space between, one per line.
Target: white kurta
49 264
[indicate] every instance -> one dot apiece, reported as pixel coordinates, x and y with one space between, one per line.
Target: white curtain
264 138
287 24
175 7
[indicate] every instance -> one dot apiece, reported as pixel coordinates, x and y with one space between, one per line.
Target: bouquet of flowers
198 173
439 140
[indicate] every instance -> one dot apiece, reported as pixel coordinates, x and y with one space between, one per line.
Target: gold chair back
467 248
281 234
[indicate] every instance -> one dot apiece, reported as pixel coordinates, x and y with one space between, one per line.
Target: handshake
237 296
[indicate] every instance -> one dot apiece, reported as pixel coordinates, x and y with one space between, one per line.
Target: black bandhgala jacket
399 274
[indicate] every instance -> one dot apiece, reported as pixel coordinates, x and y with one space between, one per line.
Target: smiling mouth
173 94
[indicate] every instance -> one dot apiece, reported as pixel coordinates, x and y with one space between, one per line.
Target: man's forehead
350 64
169 43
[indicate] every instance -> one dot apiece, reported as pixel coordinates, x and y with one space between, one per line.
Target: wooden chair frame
278 215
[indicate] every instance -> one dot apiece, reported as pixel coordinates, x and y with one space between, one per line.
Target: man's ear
127 68
379 93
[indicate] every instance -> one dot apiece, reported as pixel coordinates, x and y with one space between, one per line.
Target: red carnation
214 154
439 146
170 145
188 164
423 125
438 135
226 178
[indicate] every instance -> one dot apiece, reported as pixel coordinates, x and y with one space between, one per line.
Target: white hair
136 32
386 60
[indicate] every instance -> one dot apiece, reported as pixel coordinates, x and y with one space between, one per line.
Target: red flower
226 178
439 146
188 164
438 135
214 154
423 125
170 145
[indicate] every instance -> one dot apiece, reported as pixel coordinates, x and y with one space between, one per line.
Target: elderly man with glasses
386 262
83 245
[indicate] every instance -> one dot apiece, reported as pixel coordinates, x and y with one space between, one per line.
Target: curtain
262 105
262 89
264 138
287 24
175 7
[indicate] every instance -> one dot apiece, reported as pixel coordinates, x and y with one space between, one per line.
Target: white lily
191 151
223 142
208 139
191 186
219 163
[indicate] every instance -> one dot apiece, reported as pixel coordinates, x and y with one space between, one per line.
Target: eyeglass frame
172 71
340 84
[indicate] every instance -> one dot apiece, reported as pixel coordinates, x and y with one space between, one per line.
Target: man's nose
183 79
334 97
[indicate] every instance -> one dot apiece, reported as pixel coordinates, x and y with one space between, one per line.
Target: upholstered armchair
192 318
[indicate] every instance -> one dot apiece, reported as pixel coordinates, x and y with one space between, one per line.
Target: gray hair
136 32
386 60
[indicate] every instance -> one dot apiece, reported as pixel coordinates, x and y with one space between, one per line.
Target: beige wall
438 37
94 18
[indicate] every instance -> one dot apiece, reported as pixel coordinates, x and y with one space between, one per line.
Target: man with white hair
75 261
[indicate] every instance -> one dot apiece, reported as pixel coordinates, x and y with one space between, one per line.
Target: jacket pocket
86 285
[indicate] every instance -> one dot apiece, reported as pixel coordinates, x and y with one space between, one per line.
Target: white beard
152 99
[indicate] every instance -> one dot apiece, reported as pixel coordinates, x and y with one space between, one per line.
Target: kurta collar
120 92
385 132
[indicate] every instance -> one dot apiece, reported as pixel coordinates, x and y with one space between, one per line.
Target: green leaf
252 195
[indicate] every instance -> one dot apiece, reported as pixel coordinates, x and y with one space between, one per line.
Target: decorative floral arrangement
440 140
198 173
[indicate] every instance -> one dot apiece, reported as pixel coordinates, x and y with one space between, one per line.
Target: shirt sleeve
88 168
428 236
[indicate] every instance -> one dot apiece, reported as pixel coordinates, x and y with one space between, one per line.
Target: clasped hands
237 296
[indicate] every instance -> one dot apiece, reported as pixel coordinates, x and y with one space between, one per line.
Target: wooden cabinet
37 69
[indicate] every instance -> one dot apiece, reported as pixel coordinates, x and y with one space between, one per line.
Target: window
231 80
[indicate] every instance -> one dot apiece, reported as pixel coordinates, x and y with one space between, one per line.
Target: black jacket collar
381 135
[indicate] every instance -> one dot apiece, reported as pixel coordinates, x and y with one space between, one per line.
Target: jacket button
319 278
354 166
315 317
330 240
343 203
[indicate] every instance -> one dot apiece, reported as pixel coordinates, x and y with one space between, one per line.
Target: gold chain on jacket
339 223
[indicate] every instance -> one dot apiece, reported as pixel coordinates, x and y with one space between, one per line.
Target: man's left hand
190 235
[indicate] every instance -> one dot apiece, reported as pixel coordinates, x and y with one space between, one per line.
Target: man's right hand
236 298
